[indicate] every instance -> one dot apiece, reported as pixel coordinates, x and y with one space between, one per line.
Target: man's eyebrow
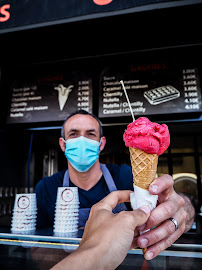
77 130
91 130
72 130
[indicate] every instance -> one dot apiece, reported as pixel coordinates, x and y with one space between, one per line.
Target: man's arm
189 209
107 237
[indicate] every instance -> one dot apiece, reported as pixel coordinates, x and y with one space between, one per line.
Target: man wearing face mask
81 141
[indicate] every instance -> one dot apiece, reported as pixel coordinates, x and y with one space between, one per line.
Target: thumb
142 214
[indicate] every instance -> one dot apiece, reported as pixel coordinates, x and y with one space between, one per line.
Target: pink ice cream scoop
150 137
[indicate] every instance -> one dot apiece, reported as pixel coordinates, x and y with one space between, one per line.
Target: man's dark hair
85 113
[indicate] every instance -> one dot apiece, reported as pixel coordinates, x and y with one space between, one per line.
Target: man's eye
91 134
72 135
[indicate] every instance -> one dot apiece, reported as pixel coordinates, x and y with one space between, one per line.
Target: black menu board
49 98
152 88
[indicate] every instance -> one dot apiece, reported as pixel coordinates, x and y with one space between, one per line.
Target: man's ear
62 144
103 142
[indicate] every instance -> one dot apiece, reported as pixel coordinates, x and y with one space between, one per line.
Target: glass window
181 144
200 160
199 141
185 179
162 165
183 164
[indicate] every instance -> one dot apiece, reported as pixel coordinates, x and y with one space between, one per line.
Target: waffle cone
144 167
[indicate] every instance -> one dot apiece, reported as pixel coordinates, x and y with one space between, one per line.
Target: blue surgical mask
82 153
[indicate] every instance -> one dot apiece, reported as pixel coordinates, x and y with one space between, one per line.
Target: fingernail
154 188
143 242
146 209
149 255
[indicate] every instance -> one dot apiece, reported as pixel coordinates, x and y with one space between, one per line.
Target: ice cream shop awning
25 14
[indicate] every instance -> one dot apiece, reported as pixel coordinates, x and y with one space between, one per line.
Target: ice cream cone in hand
146 141
144 167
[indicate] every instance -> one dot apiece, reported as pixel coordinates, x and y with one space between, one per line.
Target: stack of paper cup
66 211
24 214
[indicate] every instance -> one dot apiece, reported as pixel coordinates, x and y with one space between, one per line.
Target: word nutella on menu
112 96
191 93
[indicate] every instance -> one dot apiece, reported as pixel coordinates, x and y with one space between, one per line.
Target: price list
84 94
191 91
50 98
153 88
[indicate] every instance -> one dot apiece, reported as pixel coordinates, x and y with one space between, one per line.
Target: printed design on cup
23 202
24 214
67 195
66 211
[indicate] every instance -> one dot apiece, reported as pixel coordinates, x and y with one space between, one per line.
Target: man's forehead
79 121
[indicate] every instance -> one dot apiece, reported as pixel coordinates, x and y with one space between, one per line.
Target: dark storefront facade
84 49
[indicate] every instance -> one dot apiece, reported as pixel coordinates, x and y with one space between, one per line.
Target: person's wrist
92 256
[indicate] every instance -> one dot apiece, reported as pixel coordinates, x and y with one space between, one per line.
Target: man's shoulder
114 168
122 175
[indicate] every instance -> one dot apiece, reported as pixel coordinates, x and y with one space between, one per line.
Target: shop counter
43 250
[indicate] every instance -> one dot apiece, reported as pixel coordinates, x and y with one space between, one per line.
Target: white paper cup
27 232
69 225
24 212
66 234
66 209
73 189
68 205
72 200
58 223
23 221
74 207
23 227
70 229
73 221
25 201
16 219
23 216
67 216
60 228
66 231
67 195
65 228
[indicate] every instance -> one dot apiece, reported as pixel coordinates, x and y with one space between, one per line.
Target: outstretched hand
107 237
